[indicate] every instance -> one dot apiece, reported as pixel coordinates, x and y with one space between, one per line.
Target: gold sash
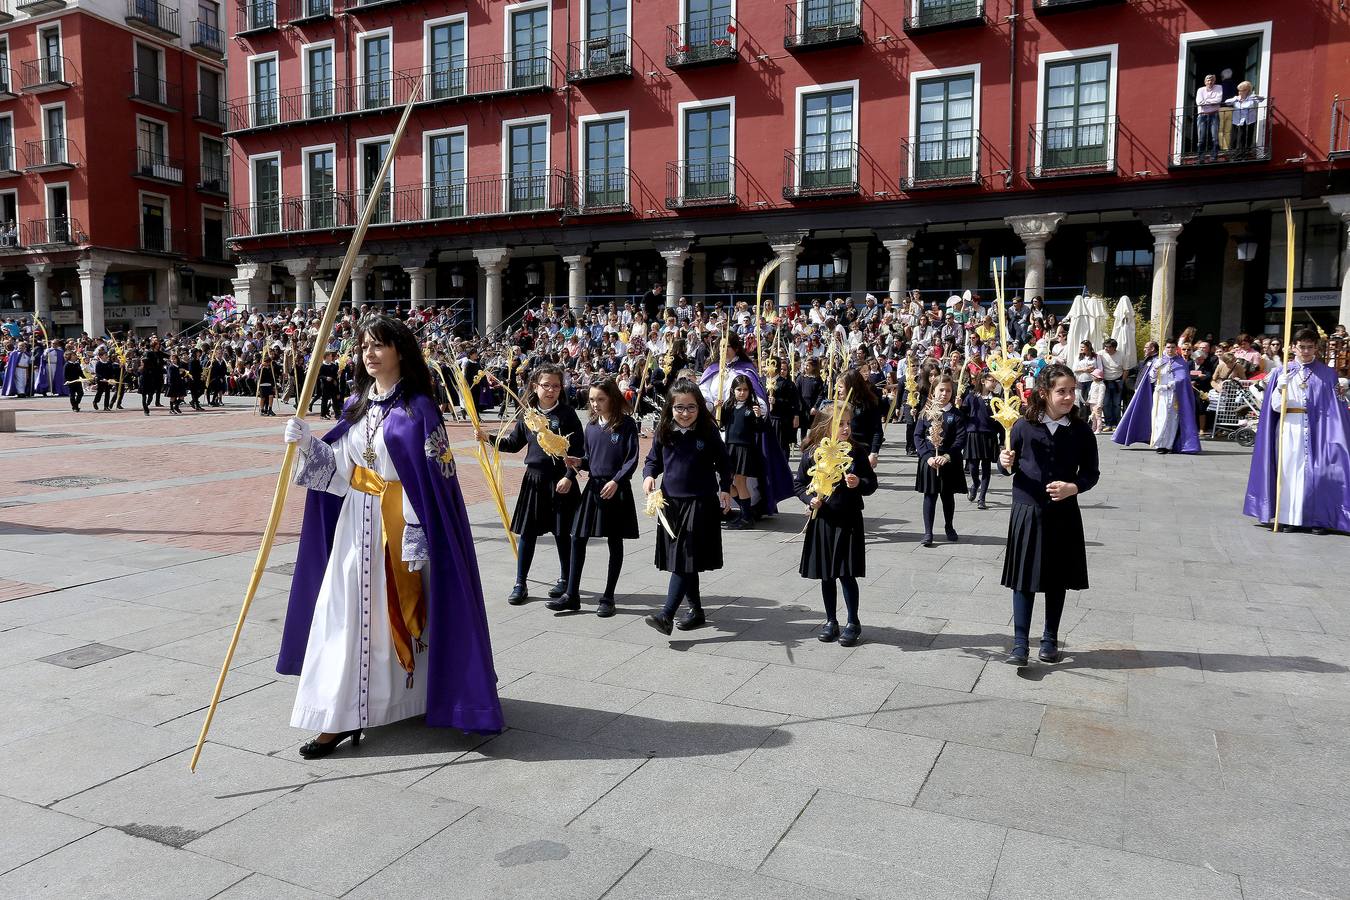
407 606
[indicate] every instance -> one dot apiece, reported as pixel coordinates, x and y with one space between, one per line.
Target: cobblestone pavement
1192 744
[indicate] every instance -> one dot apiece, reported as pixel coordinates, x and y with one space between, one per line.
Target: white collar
1052 424
547 411
378 397
682 430
947 408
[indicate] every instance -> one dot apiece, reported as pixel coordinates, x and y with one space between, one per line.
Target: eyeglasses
685 409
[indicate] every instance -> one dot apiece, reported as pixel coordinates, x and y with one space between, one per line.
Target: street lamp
67 301
1097 251
386 284
840 259
533 275
965 257
623 271
727 271
1246 247
457 278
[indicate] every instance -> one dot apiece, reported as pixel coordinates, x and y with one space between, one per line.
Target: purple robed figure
1138 425
459 678
777 482
51 378
11 384
1316 472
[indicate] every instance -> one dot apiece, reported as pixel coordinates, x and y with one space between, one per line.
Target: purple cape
11 369
60 389
1326 488
461 680
1136 426
777 482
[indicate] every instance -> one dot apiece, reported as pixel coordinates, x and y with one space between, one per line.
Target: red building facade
592 149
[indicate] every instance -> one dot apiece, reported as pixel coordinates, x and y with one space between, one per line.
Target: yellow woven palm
656 506
832 460
1005 370
1007 410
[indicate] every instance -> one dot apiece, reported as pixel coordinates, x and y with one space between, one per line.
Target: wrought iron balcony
54 232
1049 7
431 202
352 6
1087 147
214 179
320 211
148 88
158 166
49 154
208 38
153 17
1340 128
940 162
694 184
701 42
827 172
822 23
47 73
256 15
256 219
599 58
215 250
606 191
210 108
939 15
162 239
310 10
1220 140
9 88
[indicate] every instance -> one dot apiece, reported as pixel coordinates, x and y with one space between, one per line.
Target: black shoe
692 618
970 495
604 607
559 588
1162 450
519 594
849 636
661 622
927 541
1049 652
1018 657
565 604
982 505
1318 530
317 750
829 632
741 524
952 536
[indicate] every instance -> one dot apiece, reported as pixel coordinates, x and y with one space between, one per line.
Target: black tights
1022 604
578 562
525 556
979 477
683 586
930 510
831 597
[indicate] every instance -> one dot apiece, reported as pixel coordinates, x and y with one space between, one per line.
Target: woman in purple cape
1162 411
386 618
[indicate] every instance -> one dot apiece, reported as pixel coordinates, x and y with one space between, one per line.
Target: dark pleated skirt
745 460
1046 548
835 547
949 479
540 509
597 517
265 391
981 445
782 429
697 546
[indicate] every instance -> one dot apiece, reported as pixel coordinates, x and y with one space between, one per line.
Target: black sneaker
661 622
692 618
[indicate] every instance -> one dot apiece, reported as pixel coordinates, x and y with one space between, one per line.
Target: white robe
1293 447
1166 417
22 369
351 676
54 378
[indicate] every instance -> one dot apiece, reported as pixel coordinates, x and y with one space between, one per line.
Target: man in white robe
1166 417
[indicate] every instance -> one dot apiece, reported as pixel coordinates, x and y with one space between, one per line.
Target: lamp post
965 257
1246 247
840 260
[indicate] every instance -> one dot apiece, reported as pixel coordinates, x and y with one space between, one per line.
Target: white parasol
1123 332
1080 327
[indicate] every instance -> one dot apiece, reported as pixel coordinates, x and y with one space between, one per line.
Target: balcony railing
208 38
431 201
936 15
308 10
156 18
827 172
700 42
57 231
1087 147
148 88
1219 140
602 192
47 73
211 108
214 179
9 162
694 184
941 162
8 86
1340 128
256 15
597 58
161 239
158 166
38 7
1048 7
812 24
256 219
49 153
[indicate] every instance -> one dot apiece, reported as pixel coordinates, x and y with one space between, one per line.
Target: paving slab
32 832
978 720
665 876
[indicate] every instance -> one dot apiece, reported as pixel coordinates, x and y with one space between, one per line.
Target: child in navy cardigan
744 422
982 434
940 438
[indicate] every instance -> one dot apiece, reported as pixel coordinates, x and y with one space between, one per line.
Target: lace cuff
414 544
316 466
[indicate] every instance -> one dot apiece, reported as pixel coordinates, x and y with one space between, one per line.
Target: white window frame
582 122
224 94
1112 52
167 205
60 43
801 16
508 49
18 237
305 86
362 76
163 85
67 153
507 125
1196 37
306 189
802 93
224 154
253 87
47 200
682 111
463 131
917 78
163 161
684 25
361 186
13 148
253 190
224 228
463 19
628 29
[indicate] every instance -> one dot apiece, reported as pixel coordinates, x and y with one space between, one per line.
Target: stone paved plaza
1192 744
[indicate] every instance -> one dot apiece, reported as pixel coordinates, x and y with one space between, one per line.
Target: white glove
416 565
297 432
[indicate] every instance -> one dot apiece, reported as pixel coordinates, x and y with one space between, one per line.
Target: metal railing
822 23
1087 147
941 162
1340 128
211 108
256 219
46 71
701 41
8 158
49 152
431 201
605 191
700 184
161 239
153 15
215 179
215 251
159 166
827 172
302 10
1219 139
605 56
206 36
150 88
1049 6
941 13
53 231
256 15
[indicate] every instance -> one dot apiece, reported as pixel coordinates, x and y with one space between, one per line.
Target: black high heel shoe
317 749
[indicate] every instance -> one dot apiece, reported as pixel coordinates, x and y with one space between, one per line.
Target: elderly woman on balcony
1245 111
1208 101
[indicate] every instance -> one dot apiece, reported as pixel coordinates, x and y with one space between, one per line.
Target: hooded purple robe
1326 486
11 370
462 683
777 482
1136 426
60 388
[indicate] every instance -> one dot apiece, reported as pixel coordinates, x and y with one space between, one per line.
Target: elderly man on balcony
1208 102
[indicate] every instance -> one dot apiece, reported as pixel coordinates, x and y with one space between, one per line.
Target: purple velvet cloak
11 369
776 485
461 680
60 389
1326 489
1136 426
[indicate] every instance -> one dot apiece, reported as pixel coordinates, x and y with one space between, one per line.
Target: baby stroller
1237 413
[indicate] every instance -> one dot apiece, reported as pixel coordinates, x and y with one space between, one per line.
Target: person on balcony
1245 111
1208 102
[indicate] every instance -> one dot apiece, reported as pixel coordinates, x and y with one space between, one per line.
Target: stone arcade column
250 284
1165 225
493 262
1035 232
576 281
91 273
787 247
674 249
42 304
1340 206
302 270
898 244
360 276
417 285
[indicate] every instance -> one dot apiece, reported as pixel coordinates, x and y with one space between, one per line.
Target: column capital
566 250
362 265
786 238
244 271
302 268
1339 205
898 245
415 271
39 269
1038 227
576 260
93 267
1165 232
897 234
493 259
1167 215
671 241
674 255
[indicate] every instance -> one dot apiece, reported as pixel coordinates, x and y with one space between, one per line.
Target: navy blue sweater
953 436
611 455
561 419
694 464
844 498
1068 455
743 424
979 415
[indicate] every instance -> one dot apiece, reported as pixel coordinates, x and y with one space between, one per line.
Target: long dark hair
414 376
665 426
1036 405
859 390
618 404
538 374
729 404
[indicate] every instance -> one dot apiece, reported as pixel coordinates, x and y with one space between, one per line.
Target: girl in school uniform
940 438
982 434
269 371
607 508
810 391
743 420
548 495
691 459
835 548
1052 460
867 425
